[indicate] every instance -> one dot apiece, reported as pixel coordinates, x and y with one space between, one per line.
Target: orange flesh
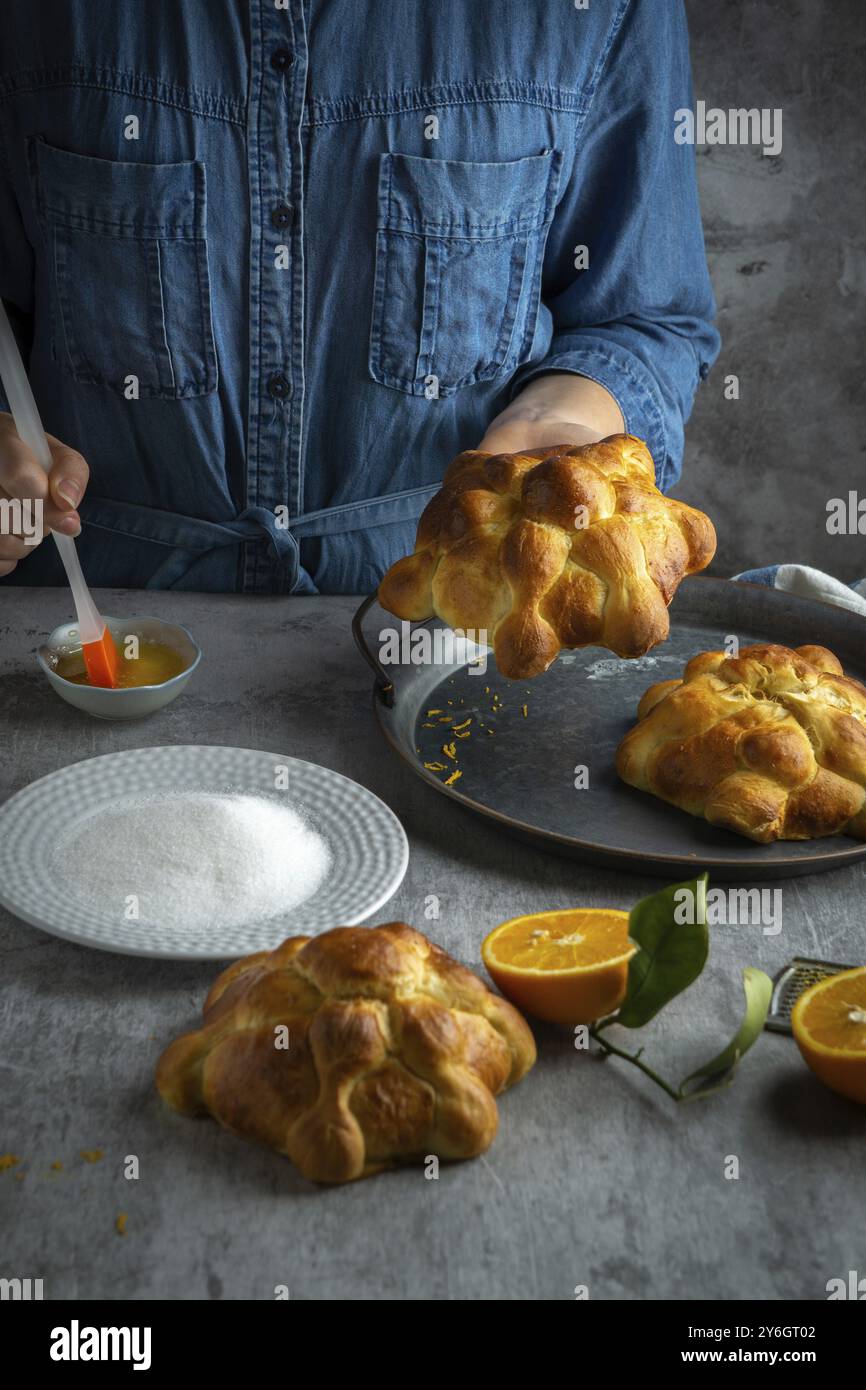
154 665
574 939
835 1016
566 966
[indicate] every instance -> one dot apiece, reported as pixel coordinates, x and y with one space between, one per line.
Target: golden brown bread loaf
561 547
396 1052
771 744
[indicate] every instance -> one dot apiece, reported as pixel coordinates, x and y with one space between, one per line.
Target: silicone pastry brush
97 643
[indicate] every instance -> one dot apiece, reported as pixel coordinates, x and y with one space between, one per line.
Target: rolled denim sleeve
638 319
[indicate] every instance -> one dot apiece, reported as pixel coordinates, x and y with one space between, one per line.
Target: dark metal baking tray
521 775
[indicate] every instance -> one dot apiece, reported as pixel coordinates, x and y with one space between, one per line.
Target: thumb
69 475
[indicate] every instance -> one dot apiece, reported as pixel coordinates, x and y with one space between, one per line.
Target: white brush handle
29 426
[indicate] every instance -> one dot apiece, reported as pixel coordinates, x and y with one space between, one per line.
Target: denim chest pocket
128 271
459 252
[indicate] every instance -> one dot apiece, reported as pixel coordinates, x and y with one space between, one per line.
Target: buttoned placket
278 72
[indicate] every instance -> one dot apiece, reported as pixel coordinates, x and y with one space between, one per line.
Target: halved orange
829 1023
568 966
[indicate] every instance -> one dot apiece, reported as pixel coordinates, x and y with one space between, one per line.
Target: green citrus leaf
671 951
719 1072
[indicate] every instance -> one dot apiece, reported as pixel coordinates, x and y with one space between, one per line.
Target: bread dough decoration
770 744
350 1052
561 547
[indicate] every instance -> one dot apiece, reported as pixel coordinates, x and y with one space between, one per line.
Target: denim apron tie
189 538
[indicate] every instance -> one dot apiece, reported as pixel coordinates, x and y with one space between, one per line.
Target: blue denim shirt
275 262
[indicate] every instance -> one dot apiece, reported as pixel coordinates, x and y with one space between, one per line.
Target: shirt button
705 370
279 387
282 59
282 216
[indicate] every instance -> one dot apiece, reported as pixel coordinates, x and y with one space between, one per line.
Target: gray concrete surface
595 1177
786 242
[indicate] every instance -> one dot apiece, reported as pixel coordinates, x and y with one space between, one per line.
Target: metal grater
789 984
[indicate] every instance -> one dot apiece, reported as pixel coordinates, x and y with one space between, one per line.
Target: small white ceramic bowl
133 702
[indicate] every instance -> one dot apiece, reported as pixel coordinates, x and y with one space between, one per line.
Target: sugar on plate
192 859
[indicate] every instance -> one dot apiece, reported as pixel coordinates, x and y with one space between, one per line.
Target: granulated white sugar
192 859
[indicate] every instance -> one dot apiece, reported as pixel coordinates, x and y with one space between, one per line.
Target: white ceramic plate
369 850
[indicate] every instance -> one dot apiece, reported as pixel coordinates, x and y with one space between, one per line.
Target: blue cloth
275 264
807 582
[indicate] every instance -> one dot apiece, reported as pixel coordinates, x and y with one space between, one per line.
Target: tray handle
384 685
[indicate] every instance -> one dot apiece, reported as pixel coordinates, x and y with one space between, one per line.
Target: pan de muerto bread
351 1051
771 743
562 547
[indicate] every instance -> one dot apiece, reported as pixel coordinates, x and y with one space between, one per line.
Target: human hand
23 480
558 408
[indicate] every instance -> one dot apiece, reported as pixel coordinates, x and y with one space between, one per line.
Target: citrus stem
634 1058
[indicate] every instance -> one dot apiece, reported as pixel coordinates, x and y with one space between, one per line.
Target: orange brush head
101 660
